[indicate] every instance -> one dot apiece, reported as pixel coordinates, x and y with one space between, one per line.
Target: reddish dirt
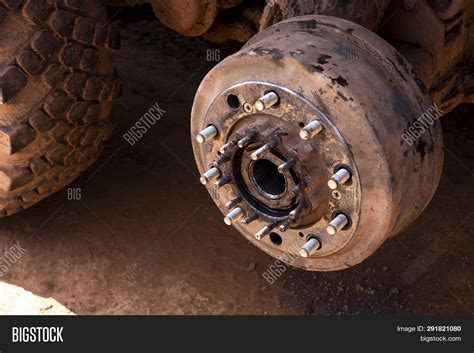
146 238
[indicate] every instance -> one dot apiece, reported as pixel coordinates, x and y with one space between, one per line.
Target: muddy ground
145 238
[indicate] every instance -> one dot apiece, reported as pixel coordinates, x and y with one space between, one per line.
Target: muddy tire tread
49 145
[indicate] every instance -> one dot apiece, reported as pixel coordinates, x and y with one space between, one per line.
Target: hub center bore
263 183
267 180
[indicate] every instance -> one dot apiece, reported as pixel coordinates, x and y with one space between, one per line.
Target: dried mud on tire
57 83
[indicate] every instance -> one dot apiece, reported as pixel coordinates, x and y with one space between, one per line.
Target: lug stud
250 218
223 158
210 175
293 215
265 231
244 142
233 216
338 222
223 181
233 202
267 101
247 140
286 166
300 187
311 130
285 225
296 212
262 151
310 247
207 134
340 178
228 146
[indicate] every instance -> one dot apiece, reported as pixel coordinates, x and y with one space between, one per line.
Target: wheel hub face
293 204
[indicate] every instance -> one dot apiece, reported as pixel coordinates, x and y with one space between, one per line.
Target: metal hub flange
279 178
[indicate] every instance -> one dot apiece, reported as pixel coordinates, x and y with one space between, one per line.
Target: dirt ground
145 238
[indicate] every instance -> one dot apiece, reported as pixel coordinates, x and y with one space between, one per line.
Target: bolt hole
267 177
301 125
276 238
233 101
248 107
301 235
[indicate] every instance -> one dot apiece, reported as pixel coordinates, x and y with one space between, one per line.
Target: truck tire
57 82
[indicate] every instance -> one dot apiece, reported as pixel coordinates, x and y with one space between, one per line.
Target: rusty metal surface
242 25
222 31
198 17
432 35
367 91
119 3
365 13
188 17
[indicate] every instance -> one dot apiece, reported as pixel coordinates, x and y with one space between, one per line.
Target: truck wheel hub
300 142
284 188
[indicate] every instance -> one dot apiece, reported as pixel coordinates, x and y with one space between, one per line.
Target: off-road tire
57 82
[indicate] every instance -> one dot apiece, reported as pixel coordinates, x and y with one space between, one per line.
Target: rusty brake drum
298 138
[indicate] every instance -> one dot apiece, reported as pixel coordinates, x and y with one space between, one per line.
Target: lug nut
267 101
341 177
285 225
210 175
310 247
207 134
261 151
223 181
250 218
233 216
286 166
311 130
264 231
233 202
338 222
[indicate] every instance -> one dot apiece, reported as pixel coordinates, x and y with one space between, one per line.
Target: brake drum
299 140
